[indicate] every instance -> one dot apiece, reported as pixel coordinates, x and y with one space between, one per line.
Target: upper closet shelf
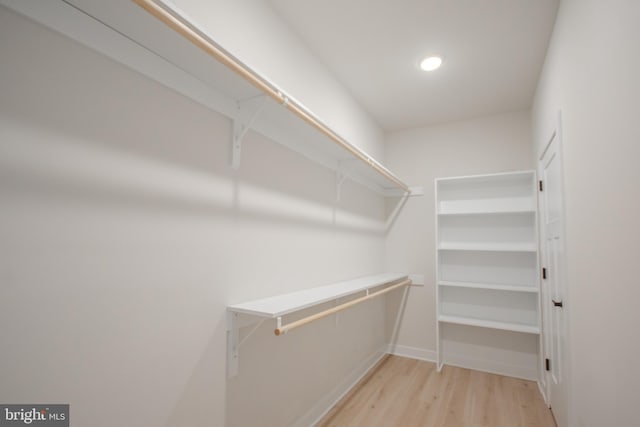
156 39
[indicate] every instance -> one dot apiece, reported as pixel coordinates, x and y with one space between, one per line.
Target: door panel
554 301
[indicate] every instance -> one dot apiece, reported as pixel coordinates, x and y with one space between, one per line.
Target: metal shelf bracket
248 110
235 321
340 177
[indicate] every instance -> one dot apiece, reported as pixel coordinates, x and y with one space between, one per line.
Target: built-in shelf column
487 268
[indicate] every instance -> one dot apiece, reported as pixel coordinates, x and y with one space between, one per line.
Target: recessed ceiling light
431 63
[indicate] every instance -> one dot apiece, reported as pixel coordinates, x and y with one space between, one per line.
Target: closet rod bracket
247 111
279 323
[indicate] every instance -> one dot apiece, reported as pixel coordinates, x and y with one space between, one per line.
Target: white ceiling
493 52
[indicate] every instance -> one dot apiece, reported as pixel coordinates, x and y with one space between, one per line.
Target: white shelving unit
487 263
133 36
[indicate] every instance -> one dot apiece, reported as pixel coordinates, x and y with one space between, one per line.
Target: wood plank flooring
401 392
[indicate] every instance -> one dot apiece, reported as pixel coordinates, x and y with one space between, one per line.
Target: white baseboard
325 404
543 393
411 352
492 367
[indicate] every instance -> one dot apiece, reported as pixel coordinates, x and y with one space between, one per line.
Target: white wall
591 75
255 34
124 234
485 145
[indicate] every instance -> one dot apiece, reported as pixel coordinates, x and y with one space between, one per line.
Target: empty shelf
514 211
497 247
492 286
484 323
280 305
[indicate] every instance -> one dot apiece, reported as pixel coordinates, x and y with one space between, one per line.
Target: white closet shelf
491 286
174 51
491 179
515 211
277 306
491 247
484 323
281 305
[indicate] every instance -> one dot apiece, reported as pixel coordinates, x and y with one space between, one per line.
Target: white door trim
553 134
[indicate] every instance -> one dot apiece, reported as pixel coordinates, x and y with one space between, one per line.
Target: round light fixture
431 63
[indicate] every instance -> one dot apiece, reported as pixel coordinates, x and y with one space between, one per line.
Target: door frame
553 132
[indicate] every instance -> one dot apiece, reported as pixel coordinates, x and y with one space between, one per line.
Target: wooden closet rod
286 328
220 54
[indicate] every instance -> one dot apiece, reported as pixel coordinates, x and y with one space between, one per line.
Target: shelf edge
490 324
489 286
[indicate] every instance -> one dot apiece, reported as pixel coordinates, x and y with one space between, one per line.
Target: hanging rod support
285 99
248 110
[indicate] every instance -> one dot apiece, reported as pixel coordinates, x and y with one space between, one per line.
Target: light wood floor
401 392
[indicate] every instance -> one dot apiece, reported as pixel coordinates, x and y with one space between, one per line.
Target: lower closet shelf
484 323
277 306
280 305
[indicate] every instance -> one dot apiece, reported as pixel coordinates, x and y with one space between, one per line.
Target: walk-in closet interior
285 213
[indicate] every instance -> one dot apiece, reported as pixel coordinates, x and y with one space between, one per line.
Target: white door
554 301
